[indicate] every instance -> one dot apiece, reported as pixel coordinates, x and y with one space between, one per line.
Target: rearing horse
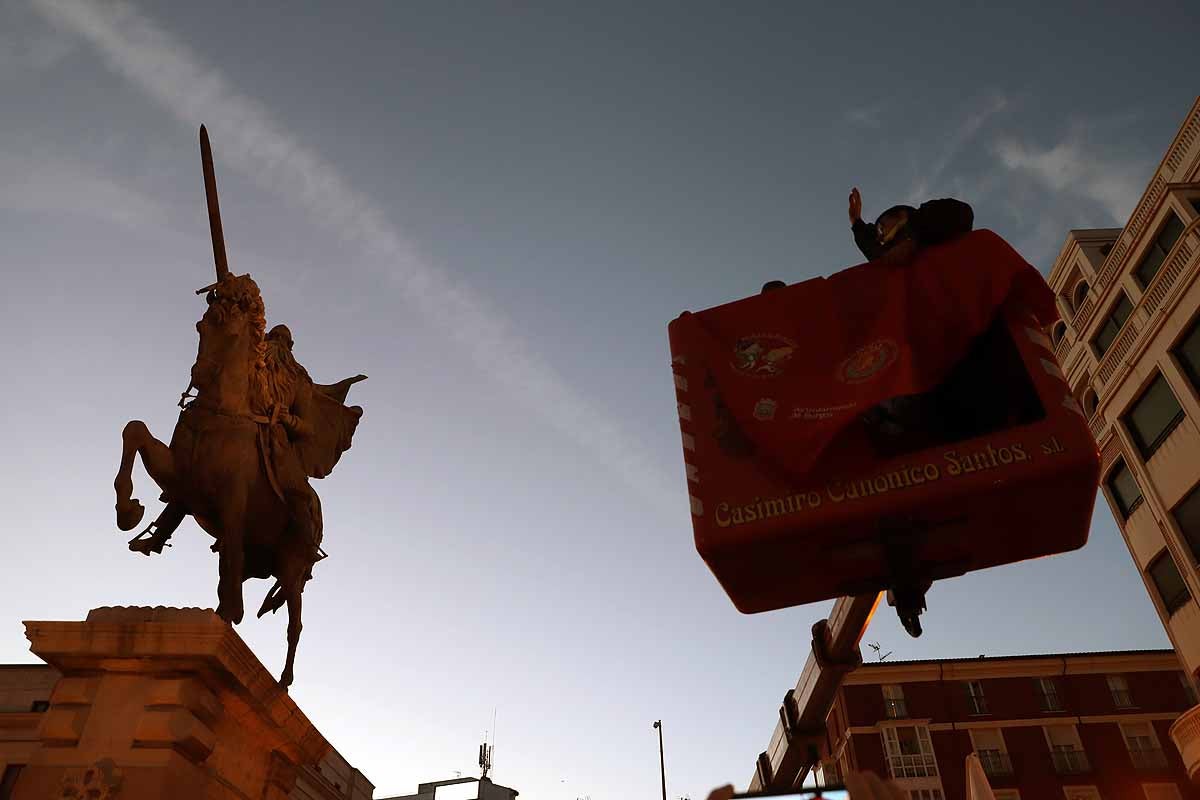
216 470
244 447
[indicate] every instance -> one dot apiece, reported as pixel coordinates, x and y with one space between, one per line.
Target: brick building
1077 726
1129 345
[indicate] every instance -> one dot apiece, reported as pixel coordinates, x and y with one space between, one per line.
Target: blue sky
494 210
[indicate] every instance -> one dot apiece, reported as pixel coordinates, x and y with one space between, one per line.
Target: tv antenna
877 648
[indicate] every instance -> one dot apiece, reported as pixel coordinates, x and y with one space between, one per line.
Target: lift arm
795 746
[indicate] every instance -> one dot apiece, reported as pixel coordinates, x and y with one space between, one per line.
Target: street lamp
662 764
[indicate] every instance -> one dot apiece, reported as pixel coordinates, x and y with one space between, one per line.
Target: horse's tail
274 599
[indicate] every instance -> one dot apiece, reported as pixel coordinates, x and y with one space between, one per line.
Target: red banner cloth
794 366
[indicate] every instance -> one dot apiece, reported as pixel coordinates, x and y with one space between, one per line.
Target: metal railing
995 764
1148 758
1070 762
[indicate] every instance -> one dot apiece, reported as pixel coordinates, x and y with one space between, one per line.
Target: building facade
1086 726
25 691
1129 346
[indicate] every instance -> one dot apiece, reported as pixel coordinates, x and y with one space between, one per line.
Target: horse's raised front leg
156 458
293 634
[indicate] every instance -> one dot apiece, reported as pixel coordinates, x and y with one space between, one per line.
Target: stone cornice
126 639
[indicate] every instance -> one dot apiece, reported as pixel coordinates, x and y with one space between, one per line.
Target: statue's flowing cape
792 368
333 427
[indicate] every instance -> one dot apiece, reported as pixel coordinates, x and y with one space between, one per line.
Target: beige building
1129 344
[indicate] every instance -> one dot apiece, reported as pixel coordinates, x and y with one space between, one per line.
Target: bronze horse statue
239 459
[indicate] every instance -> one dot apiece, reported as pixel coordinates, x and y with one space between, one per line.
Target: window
1048 694
1158 791
1107 334
1144 750
1066 752
1119 690
1172 591
40 705
893 702
1156 254
1189 691
1195 203
909 752
1153 416
1187 353
1123 488
1187 517
993 755
8 781
1090 402
1079 295
975 699
827 774
1058 332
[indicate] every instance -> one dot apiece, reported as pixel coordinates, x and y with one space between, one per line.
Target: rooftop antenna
485 759
877 648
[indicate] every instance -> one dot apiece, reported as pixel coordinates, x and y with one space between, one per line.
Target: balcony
895 708
1070 762
1185 733
913 766
1148 758
995 764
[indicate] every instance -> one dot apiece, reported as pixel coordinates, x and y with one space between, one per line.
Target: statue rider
288 403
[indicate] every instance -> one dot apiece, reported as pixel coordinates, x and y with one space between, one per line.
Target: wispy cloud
867 116
250 139
39 182
23 49
952 145
1072 168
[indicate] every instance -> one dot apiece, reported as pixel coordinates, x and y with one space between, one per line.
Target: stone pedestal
162 703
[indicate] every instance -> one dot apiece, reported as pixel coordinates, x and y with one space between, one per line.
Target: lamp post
662 764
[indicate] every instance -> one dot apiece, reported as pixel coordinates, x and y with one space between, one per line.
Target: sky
494 210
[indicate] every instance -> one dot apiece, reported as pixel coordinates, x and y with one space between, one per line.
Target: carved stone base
162 703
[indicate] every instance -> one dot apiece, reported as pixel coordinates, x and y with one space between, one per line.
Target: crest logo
764 409
762 355
868 361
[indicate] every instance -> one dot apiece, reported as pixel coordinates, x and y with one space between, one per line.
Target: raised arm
864 233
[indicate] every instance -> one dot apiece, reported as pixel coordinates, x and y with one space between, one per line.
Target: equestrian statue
248 440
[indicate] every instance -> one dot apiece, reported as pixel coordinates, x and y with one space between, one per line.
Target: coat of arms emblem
868 361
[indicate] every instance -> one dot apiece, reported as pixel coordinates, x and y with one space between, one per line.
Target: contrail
258 146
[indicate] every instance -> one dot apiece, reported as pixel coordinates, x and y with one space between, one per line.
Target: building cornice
1033 666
